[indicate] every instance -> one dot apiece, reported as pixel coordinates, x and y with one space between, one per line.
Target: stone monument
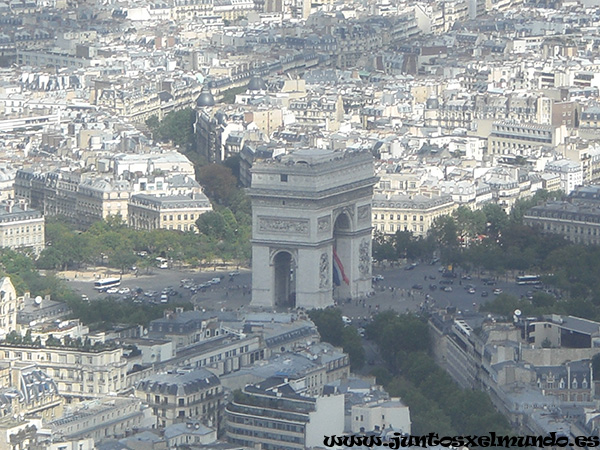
311 228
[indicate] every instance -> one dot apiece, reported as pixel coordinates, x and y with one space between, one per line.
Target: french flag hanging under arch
338 270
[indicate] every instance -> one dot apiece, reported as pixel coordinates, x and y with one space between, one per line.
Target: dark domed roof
206 98
257 84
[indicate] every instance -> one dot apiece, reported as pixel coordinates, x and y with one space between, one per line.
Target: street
400 290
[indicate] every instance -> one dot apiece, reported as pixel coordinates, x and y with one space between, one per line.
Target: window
283 178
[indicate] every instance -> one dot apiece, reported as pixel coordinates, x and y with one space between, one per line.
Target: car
361 332
379 277
484 293
432 287
447 289
84 297
124 291
490 283
215 280
434 261
164 298
112 290
432 277
417 286
234 273
466 277
346 320
446 282
497 291
409 267
471 290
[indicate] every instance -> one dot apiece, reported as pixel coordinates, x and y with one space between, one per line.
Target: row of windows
398 217
562 384
24 229
264 423
170 217
180 227
264 435
399 227
24 240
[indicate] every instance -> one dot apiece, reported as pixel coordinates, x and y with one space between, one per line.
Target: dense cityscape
253 224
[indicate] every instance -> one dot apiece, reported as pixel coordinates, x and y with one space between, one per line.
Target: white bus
106 283
529 279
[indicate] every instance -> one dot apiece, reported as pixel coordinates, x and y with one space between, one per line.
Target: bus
529 279
106 283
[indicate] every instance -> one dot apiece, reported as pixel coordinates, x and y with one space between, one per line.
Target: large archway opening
285 280
342 258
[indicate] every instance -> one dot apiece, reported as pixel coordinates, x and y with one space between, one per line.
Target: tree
218 182
445 232
497 220
333 330
177 127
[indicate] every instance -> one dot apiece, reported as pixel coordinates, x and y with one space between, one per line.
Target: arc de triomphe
311 228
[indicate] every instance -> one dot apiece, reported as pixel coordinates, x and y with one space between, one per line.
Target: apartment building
381 414
578 223
399 212
185 328
182 395
272 415
326 112
570 173
77 372
21 227
27 390
9 305
104 418
578 219
171 212
99 199
514 138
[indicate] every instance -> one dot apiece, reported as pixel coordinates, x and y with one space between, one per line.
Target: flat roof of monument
311 156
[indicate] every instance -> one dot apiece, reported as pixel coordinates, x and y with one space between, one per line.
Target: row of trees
113 244
461 230
437 404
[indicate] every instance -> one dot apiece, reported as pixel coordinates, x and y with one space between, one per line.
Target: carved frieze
281 225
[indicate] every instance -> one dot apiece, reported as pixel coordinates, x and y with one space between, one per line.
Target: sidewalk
92 274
